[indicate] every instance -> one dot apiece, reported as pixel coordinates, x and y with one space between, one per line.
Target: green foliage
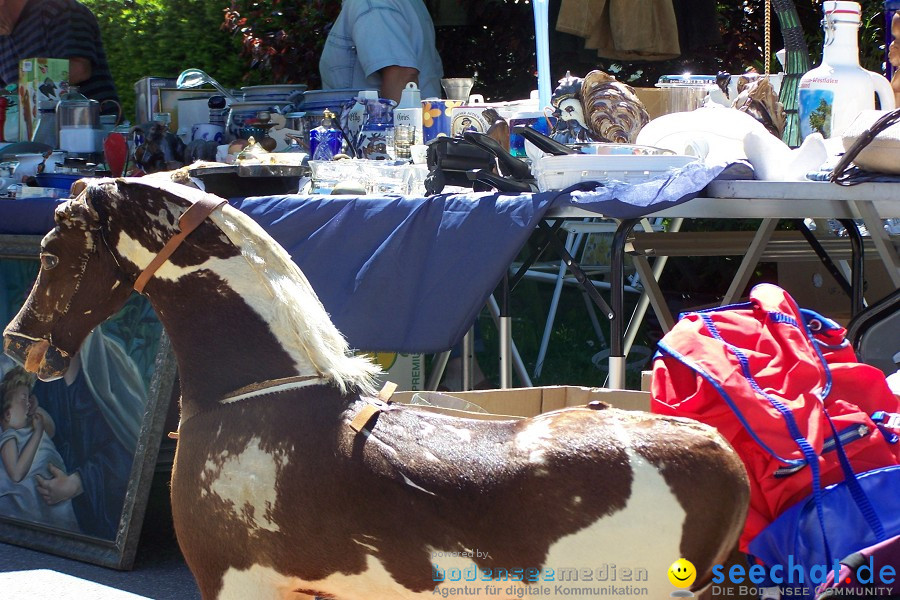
245 42
283 38
820 118
496 47
161 38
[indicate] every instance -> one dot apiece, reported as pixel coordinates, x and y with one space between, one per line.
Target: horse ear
77 212
78 188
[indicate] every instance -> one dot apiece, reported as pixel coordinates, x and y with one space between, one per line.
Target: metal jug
77 119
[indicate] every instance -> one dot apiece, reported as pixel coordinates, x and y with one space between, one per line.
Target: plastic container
333 99
279 93
62 181
559 172
409 110
241 112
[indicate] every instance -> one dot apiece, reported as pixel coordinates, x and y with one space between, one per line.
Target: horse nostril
35 355
54 364
16 347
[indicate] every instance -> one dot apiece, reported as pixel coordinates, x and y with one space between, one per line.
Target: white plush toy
773 160
716 134
712 133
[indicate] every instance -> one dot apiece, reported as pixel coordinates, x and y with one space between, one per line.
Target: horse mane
296 307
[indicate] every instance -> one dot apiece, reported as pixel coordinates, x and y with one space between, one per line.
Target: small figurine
597 108
48 88
757 98
567 109
160 151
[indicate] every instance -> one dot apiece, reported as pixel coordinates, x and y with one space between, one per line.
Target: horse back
287 483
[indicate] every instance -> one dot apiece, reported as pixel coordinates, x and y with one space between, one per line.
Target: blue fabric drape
409 274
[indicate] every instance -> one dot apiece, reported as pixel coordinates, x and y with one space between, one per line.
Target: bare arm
394 79
79 70
18 463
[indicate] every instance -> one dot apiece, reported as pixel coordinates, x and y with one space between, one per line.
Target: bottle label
354 122
816 109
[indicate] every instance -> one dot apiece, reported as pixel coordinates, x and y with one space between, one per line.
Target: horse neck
221 344
229 324
237 309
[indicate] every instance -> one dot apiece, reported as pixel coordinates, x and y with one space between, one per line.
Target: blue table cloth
411 274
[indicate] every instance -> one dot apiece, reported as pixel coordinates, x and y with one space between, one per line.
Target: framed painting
79 453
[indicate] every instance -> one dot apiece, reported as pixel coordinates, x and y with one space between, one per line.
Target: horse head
79 283
104 237
196 259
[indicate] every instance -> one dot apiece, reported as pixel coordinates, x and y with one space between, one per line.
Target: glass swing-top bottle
834 93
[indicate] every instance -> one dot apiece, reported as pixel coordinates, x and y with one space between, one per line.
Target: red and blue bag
784 387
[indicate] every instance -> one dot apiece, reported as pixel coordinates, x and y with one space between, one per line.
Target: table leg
468 356
518 363
572 242
437 370
883 244
857 281
651 291
505 336
617 300
748 264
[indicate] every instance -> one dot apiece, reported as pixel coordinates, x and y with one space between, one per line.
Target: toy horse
291 480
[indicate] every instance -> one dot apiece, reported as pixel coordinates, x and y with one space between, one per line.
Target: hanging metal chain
768 49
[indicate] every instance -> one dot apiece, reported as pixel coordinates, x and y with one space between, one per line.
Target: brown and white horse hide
274 495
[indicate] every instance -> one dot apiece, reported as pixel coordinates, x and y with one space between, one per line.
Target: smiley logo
682 573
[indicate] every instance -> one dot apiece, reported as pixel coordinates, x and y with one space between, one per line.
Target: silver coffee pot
77 122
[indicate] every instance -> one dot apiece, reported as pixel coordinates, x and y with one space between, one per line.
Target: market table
746 199
411 274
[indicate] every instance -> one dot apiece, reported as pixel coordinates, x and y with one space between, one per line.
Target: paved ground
159 570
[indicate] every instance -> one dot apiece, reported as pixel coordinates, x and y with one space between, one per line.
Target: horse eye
48 261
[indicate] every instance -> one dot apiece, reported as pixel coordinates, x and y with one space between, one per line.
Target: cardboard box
146 96
41 80
528 402
813 287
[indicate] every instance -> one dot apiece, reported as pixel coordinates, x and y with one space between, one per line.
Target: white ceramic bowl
28 164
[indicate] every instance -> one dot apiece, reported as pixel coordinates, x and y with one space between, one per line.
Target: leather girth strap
365 418
188 222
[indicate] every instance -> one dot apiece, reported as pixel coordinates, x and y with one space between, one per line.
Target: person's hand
59 487
33 405
37 421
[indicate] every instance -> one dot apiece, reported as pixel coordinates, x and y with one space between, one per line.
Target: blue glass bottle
325 141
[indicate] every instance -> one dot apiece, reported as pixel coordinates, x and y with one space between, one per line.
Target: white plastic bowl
559 172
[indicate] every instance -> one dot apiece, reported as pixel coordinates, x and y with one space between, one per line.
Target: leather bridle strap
188 222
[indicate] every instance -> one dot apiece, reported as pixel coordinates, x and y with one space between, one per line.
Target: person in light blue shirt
382 45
